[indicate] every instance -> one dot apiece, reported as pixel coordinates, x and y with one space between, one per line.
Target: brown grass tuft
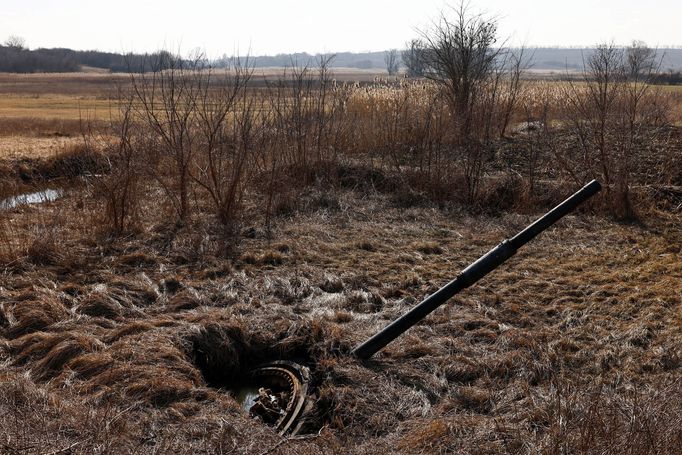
90 364
140 291
74 160
425 438
35 315
332 284
271 257
98 304
342 317
428 247
364 301
185 300
62 353
366 245
474 399
44 251
131 328
268 257
48 352
137 259
462 369
158 390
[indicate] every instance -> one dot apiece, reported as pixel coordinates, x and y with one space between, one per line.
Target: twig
119 415
67 449
293 438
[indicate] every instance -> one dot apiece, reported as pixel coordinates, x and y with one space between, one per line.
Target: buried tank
277 393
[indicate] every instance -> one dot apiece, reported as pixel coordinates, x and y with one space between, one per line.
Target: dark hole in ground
276 392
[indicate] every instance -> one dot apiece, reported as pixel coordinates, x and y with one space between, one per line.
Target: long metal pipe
474 272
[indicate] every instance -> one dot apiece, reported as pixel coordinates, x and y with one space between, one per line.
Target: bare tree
593 106
392 63
641 60
414 58
480 81
460 56
15 42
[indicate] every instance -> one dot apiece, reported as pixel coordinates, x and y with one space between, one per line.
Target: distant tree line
668 78
363 60
16 58
20 60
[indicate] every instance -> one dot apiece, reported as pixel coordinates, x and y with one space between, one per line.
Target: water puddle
38 197
246 396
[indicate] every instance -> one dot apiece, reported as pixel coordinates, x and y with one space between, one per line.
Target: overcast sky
285 26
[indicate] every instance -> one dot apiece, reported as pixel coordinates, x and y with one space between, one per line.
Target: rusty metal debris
276 393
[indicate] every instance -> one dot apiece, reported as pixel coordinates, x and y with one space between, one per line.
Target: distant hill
548 59
543 59
571 59
363 60
20 60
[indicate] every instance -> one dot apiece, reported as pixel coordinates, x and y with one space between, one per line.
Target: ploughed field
128 344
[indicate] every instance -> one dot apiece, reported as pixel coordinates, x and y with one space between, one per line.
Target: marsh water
246 396
37 197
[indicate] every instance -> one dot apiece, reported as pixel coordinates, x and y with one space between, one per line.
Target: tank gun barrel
474 272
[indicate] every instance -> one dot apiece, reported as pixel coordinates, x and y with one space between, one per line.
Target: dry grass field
123 341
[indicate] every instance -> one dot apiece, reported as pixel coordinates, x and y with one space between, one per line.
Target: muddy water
31 198
246 396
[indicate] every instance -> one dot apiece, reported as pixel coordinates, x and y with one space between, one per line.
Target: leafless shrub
414 59
229 126
165 102
307 128
391 61
536 106
121 186
614 112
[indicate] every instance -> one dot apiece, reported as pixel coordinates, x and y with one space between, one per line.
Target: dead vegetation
556 352
295 220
